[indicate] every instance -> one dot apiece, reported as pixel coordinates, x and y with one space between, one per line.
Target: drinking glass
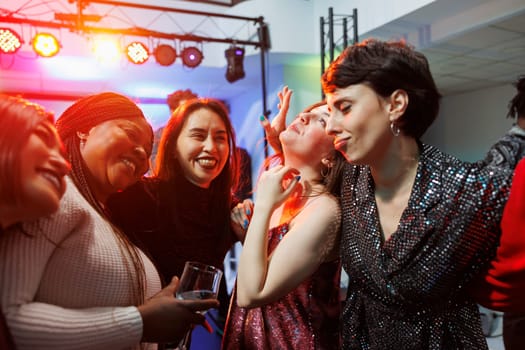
198 281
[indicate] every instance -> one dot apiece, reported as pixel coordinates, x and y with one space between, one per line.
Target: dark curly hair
517 104
179 96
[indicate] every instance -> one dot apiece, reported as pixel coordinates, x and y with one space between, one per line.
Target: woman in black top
182 213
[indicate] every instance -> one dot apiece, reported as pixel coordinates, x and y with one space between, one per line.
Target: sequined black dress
307 318
410 291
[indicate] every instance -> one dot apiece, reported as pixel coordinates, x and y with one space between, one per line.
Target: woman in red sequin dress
287 292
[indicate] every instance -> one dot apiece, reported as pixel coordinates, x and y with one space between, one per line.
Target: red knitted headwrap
92 110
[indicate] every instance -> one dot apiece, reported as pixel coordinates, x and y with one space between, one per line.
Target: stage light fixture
165 54
235 63
191 56
137 52
10 41
45 45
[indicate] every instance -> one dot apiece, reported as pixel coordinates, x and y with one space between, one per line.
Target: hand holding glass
198 281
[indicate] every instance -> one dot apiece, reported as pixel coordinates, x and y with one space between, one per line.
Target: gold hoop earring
395 129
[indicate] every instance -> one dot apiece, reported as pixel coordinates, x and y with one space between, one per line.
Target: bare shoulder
325 204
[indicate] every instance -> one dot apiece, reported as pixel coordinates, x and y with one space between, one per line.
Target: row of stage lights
47 45
44 44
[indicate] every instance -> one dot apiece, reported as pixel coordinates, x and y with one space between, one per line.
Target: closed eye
222 137
198 136
345 107
46 135
132 134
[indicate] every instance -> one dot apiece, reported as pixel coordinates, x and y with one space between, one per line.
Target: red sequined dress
306 318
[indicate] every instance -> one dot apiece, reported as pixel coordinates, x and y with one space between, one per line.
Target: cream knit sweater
66 285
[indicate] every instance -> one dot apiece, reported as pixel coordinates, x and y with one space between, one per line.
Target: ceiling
488 56
490 52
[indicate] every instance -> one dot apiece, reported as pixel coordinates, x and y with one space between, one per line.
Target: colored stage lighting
165 55
10 41
137 52
191 56
45 45
106 49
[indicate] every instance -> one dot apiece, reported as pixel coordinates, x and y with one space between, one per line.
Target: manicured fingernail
262 118
298 177
207 326
248 211
245 224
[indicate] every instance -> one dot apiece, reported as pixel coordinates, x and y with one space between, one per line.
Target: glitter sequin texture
306 318
410 291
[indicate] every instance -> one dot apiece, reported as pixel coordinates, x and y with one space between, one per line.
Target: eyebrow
52 133
337 101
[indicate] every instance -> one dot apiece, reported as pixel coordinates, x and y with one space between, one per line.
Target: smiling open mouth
53 178
207 163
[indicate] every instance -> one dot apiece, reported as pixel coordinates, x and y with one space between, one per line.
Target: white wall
294 24
468 124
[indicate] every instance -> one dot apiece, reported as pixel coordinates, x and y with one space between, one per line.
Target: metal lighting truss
329 45
119 18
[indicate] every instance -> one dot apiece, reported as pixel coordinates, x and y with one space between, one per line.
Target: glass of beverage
198 281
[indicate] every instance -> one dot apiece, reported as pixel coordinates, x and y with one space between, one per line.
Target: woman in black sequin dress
418 225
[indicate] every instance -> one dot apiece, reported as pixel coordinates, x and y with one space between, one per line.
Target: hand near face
167 319
275 185
278 124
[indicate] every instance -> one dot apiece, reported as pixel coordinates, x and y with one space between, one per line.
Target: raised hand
275 185
278 124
